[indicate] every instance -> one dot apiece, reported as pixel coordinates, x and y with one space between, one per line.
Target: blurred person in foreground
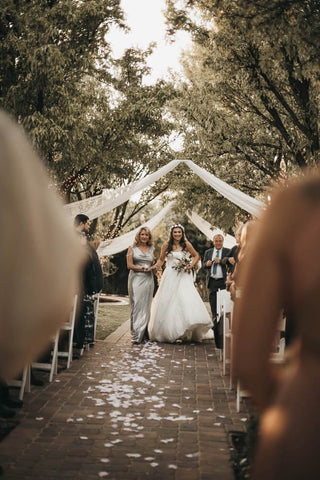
40 255
281 270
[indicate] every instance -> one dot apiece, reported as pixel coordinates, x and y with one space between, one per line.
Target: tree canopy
249 106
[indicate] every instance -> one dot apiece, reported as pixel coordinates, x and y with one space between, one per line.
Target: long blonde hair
137 237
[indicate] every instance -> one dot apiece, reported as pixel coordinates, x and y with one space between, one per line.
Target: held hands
154 268
210 262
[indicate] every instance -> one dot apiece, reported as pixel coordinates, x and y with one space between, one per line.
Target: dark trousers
214 286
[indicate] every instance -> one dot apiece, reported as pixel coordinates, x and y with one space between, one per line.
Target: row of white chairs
225 311
52 365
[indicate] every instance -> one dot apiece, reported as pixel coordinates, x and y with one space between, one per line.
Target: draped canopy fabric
95 206
209 231
118 244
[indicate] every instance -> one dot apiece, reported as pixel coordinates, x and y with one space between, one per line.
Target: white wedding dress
177 310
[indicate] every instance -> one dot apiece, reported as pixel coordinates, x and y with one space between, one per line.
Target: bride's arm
194 254
161 258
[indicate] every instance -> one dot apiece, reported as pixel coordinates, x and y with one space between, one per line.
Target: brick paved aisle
155 411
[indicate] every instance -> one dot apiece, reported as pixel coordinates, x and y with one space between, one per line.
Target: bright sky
147 23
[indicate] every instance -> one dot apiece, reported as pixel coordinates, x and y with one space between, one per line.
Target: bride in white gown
177 310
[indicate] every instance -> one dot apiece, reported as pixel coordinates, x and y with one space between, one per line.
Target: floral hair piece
177 225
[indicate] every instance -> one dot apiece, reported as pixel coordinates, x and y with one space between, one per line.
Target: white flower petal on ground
133 455
83 438
158 451
149 459
39 419
167 440
104 460
103 474
217 424
174 467
192 455
154 464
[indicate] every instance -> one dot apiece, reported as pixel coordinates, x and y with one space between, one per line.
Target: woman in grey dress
140 283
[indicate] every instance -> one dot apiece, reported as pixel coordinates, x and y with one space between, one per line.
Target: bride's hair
183 240
137 237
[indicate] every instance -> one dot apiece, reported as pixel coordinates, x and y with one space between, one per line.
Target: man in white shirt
216 270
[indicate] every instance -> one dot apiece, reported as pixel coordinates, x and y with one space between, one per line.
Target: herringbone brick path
125 412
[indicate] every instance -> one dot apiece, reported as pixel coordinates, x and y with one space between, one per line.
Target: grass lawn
110 317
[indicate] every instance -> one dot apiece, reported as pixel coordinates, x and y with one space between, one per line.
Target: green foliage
93 121
249 108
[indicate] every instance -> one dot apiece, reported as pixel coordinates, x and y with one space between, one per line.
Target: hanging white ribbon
118 244
95 206
240 199
209 231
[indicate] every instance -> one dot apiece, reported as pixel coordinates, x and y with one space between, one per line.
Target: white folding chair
276 357
241 393
23 384
227 308
52 365
95 309
221 295
69 327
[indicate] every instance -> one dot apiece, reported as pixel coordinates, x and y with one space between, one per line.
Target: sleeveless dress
177 310
140 288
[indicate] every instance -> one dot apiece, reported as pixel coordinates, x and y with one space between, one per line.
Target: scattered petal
174 467
39 419
104 460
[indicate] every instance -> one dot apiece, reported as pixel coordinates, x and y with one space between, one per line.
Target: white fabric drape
95 206
240 199
118 244
109 199
209 231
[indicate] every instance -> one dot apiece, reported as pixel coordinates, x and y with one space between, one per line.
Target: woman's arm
161 258
194 254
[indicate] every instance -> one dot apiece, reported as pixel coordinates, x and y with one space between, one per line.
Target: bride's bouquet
183 264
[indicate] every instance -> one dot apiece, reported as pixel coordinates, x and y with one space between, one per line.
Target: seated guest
282 269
